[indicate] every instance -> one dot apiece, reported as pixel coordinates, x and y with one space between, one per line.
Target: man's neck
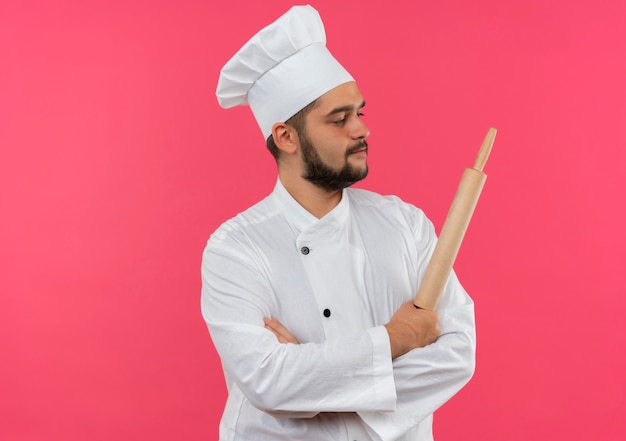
315 200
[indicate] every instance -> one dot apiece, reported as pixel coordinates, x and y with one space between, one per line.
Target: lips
360 147
364 149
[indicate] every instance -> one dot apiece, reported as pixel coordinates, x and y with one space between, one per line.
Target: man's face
333 146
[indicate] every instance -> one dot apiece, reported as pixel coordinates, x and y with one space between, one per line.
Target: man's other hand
282 334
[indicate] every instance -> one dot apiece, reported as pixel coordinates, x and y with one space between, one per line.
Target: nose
360 130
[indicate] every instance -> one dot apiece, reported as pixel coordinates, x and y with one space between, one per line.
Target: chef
308 294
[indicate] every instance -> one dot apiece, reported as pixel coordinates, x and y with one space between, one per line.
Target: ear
285 137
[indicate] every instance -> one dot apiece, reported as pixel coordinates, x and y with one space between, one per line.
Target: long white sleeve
343 374
426 378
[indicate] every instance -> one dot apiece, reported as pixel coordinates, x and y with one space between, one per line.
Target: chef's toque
282 69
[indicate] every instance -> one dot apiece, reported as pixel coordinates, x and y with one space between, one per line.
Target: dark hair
298 122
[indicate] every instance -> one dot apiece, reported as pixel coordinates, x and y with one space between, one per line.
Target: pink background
116 164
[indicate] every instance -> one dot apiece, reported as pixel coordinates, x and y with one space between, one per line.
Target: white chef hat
280 70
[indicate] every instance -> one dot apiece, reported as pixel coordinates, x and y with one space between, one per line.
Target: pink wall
116 164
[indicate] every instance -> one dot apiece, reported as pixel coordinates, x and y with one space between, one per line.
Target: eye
340 122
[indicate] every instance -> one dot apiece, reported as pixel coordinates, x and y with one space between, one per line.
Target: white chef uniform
333 282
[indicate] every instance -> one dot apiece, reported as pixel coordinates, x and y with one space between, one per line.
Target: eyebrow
347 108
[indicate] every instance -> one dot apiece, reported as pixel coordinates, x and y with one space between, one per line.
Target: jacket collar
303 221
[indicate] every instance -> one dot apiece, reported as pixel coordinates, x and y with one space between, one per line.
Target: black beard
320 174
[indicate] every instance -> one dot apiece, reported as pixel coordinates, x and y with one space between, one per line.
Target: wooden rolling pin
454 229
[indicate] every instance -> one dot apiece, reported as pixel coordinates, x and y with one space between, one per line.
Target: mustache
362 144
